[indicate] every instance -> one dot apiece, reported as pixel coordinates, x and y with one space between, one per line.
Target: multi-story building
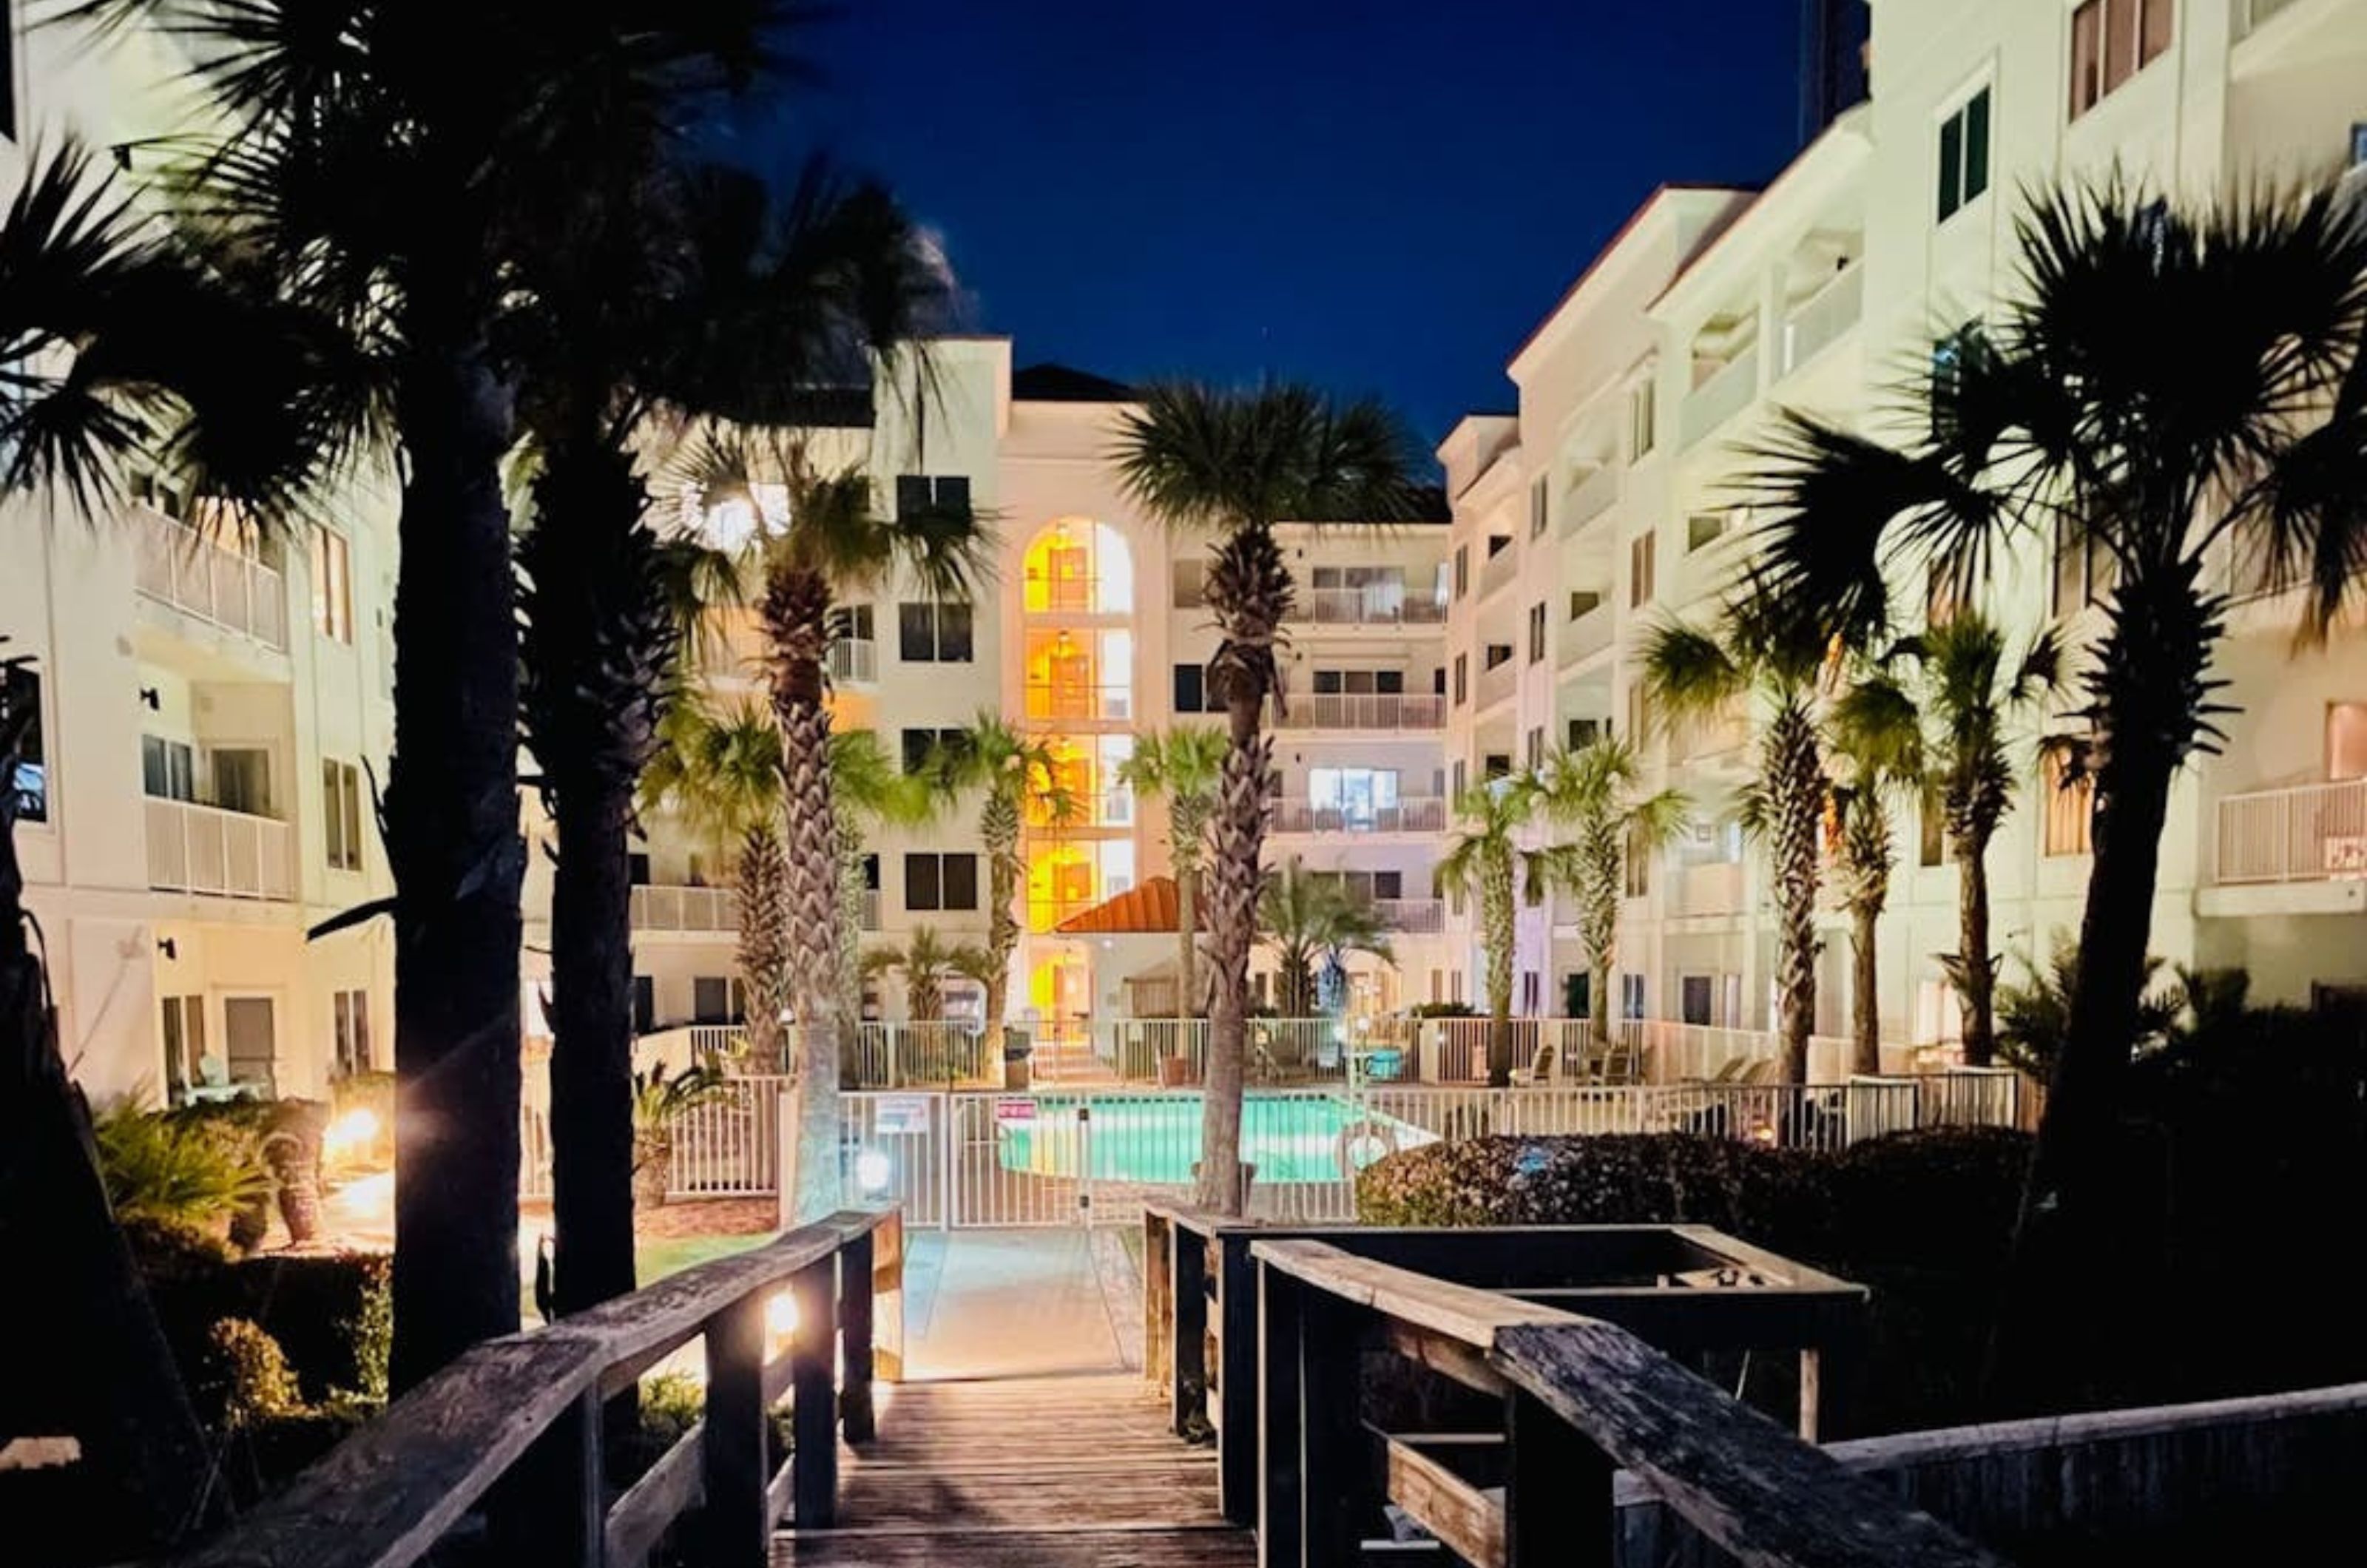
1614 497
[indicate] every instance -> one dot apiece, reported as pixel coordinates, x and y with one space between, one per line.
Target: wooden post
551 1509
732 1451
784 1159
888 1299
1334 1472
854 1301
814 1422
1188 1330
1158 1301
1237 1371
1811 1394
1275 1436
1558 1506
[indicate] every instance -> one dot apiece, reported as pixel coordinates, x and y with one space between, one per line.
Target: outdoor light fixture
169 948
873 1172
154 698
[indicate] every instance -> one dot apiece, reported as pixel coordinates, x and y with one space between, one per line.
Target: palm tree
1874 739
927 962
1485 861
1970 692
421 197
1012 770
1759 655
1596 793
1236 464
868 791
1311 921
720 773
1183 766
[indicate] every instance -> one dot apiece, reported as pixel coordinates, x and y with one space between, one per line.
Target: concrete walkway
1018 1303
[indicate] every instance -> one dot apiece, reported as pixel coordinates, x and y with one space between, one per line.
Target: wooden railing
1580 1399
512 1430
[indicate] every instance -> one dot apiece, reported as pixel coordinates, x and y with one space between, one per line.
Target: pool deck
998 1304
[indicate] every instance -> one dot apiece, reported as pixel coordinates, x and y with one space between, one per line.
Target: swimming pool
1156 1138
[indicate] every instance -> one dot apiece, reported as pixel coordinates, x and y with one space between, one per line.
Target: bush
330 1313
247 1377
173 1169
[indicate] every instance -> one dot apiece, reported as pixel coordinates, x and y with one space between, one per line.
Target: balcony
1502 568
1412 815
1497 681
662 907
1713 888
2314 833
203 849
1363 710
1058 701
1720 398
1366 607
1585 637
1416 917
1822 320
867 914
854 660
177 566
1590 499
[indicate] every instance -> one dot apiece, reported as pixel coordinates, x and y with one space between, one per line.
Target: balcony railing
1829 312
1721 397
854 659
1367 607
659 906
203 849
2309 833
1585 637
1590 499
1079 701
1714 888
177 566
1497 681
867 912
1412 815
1364 710
1417 916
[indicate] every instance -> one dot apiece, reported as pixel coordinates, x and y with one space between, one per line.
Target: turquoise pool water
1157 1139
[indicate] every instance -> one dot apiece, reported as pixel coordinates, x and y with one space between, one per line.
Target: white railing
1590 498
1499 569
1824 317
2309 833
1720 398
1062 701
1364 710
1392 607
664 907
1585 637
1714 888
1418 917
203 849
854 659
1416 813
892 1056
1677 1052
180 566
867 914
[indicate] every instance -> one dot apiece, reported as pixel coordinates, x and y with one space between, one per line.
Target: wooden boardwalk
1064 1471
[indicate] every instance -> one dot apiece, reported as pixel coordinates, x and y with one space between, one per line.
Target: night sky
1377 196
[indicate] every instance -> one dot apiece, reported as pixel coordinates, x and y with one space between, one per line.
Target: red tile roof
1148 909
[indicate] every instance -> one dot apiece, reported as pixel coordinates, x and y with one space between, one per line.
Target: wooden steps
1054 1471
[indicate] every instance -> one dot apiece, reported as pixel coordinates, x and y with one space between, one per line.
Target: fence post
735 1439
1188 1321
855 1316
1334 1476
1557 1503
813 1417
551 1509
1281 1513
1237 1377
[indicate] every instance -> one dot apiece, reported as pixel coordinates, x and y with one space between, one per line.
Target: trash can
1016 1047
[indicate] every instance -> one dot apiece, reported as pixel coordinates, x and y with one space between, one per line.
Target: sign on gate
1014 1110
895 1115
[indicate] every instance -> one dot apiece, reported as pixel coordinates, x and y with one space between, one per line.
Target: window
2111 40
1949 356
716 998
1536 746
1496 765
241 776
1583 732
333 586
1531 990
250 1039
932 633
1355 798
1584 603
1631 995
1964 155
918 744
1538 507
340 810
1462 679
1639 712
2084 571
185 1046
1536 633
916 493
1385 885
1462 570
645 1004
168 769
1641 411
1190 578
1704 528
1461 776
31 785
1359 683
1192 689
1495 653
1932 824
2070 806
853 623
351 1015
933 882
1636 865
1639 571
1498 544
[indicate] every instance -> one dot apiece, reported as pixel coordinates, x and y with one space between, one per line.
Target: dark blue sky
1374 195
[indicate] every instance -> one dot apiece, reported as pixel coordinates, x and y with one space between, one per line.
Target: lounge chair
1541 1067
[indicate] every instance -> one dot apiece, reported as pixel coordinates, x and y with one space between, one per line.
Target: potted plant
658 1099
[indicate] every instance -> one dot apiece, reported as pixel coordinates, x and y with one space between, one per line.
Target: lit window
1964 155
341 811
333 589
1536 633
31 785
2111 40
2070 807
352 1032
1639 571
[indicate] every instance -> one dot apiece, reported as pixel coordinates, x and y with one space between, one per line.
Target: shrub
174 1170
168 1252
329 1312
247 1374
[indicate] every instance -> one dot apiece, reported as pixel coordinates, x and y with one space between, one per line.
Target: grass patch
657 1256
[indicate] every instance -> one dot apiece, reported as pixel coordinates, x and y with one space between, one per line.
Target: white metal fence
180 566
204 849
2308 833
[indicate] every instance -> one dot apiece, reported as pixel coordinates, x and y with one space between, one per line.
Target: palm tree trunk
451 816
1499 918
851 889
1598 1000
1866 1020
1794 774
1001 822
1187 939
1976 964
762 877
592 1048
796 612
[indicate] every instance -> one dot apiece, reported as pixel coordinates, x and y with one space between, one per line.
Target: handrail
1581 1396
523 1413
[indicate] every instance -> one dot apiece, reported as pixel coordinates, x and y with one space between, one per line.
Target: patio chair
1541 1067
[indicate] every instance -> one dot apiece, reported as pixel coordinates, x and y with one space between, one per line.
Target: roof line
1665 187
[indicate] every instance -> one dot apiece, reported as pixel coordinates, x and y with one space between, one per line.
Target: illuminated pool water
1157 1139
